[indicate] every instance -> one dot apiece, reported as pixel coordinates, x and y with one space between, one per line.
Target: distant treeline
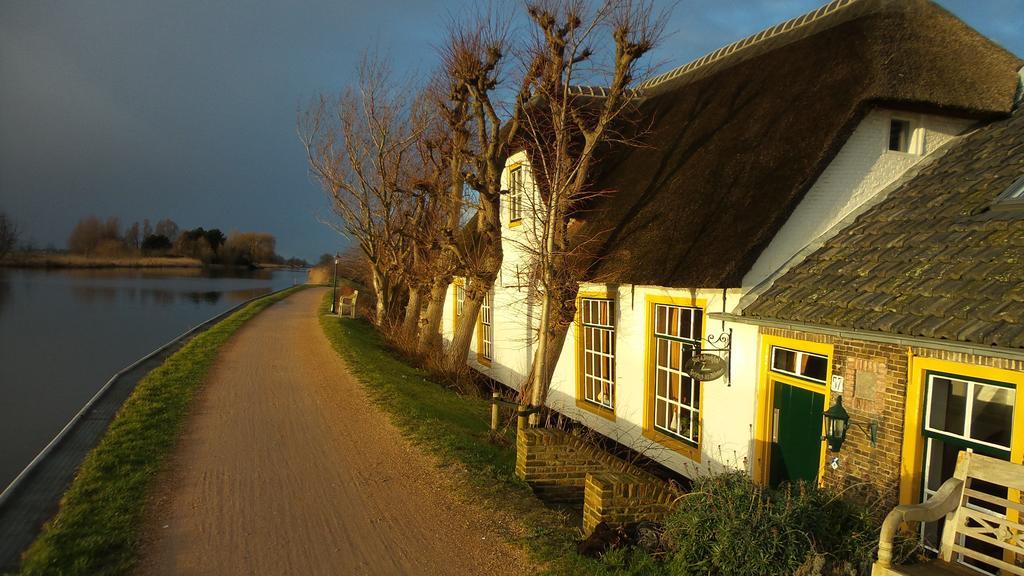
108 239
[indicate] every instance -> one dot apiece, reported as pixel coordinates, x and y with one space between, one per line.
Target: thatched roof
738 140
939 257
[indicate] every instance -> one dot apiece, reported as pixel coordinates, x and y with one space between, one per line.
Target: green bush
729 525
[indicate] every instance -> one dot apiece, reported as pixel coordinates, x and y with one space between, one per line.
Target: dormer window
515 195
899 135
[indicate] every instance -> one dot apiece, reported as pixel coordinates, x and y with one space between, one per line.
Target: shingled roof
739 138
937 258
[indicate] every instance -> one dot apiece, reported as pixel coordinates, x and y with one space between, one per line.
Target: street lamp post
334 292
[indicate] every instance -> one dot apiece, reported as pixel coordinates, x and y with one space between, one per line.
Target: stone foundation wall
619 498
564 468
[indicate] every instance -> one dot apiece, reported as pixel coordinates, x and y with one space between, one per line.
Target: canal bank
121 454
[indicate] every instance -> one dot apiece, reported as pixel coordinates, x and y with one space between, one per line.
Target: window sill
678 446
515 223
595 409
483 360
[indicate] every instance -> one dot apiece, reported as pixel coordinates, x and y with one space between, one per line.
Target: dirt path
286 467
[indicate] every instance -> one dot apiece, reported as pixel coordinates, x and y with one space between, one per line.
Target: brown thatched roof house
941 257
919 307
758 154
739 137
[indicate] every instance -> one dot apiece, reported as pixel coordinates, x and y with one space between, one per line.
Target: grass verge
97 529
455 428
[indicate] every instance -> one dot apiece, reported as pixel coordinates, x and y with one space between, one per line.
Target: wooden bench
966 508
347 301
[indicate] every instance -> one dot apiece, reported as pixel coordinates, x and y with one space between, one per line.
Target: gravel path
286 467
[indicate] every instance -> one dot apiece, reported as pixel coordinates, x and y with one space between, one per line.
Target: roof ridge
757 38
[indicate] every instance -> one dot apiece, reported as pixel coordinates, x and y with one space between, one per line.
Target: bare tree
472 60
359 146
8 234
563 128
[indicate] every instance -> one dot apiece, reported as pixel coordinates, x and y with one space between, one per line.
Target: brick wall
620 498
564 468
874 388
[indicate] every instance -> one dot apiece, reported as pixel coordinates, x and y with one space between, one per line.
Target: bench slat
997 562
994 499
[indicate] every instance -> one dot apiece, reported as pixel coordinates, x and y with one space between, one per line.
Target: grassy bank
97 528
55 260
455 428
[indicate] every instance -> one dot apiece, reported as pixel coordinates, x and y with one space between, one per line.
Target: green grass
97 529
455 428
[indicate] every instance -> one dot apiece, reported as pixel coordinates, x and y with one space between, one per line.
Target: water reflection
5 290
63 333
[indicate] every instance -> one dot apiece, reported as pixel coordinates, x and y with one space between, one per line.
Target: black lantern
837 422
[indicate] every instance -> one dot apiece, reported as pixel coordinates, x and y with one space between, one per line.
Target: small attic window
899 135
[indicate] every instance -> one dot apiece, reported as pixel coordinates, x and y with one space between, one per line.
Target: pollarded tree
562 129
472 62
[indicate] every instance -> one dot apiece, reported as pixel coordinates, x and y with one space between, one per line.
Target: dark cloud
186 109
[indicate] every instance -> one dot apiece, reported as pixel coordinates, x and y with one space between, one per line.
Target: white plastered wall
727 404
863 167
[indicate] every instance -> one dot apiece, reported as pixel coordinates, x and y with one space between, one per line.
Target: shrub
729 525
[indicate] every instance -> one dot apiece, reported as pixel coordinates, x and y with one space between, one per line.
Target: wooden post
495 396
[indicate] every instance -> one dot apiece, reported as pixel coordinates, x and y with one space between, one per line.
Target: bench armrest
943 502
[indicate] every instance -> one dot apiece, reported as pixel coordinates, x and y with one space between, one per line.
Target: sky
186 109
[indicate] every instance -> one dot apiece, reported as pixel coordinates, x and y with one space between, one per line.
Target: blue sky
186 109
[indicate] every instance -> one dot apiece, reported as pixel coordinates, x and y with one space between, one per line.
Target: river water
64 333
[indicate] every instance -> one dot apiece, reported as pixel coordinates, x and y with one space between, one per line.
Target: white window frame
460 299
799 357
674 408
915 136
598 386
487 326
516 194
931 435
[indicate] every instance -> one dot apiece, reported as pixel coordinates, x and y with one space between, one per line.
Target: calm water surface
63 334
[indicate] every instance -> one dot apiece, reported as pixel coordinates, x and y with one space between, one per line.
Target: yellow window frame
649 431
912 457
766 396
601 294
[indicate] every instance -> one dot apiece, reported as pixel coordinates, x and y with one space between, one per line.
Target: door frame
761 471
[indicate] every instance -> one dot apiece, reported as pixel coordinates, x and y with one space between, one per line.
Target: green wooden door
796 434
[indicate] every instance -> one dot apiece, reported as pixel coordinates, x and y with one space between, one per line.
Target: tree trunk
556 318
412 319
383 293
429 335
455 356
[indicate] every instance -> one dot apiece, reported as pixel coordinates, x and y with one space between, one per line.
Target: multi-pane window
597 326
515 194
487 326
677 334
460 299
803 365
962 413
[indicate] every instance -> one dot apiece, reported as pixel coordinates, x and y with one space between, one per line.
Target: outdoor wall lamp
837 423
